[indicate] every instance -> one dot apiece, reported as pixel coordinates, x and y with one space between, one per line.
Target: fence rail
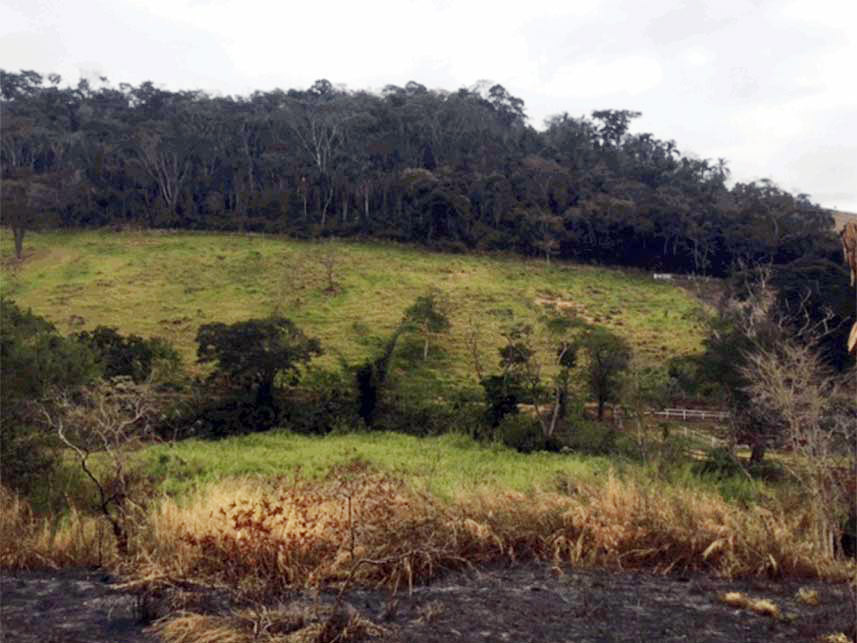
692 414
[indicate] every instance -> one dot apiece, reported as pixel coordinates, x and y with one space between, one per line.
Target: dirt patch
528 602
568 307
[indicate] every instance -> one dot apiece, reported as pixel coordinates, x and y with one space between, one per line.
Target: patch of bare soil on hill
527 602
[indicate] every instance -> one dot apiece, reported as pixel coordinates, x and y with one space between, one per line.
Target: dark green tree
252 354
372 376
608 357
35 360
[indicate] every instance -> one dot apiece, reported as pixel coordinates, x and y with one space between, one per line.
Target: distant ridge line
841 218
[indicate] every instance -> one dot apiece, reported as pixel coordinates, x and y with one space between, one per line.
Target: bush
592 438
522 433
130 356
406 414
502 395
325 400
719 463
238 415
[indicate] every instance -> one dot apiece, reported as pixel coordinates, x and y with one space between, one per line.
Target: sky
769 85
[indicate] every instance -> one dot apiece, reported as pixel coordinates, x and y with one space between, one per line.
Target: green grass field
167 285
445 466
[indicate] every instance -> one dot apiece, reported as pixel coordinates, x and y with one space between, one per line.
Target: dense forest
457 171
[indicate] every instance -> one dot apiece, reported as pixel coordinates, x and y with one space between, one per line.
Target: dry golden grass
357 526
761 606
807 596
367 528
284 625
838 637
31 542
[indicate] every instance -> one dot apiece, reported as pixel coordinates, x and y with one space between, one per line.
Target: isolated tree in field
328 258
429 315
608 356
251 354
27 198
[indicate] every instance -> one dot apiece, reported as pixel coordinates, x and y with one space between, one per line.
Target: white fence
692 414
669 276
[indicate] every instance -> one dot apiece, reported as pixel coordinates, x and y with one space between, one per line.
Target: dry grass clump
807 596
285 625
31 542
368 528
761 606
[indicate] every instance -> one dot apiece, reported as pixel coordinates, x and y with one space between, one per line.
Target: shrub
522 433
326 400
502 395
415 416
236 415
130 356
592 438
719 463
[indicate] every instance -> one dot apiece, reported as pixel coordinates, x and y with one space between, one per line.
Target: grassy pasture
446 466
167 285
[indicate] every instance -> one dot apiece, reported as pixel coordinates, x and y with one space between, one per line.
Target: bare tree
328 258
804 407
166 162
812 410
321 129
106 422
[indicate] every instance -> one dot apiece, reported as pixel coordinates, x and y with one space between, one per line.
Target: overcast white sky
770 85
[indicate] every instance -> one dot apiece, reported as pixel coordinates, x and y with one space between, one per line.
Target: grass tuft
761 606
284 625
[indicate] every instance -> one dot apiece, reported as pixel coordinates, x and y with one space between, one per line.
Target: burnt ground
523 603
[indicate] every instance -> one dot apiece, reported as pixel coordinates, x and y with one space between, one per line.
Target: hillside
841 218
168 285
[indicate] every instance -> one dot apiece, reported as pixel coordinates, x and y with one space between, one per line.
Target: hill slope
169 284
842 218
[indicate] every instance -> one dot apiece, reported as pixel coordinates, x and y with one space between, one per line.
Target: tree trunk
265 393
19 232
366 205
757 453
601 409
